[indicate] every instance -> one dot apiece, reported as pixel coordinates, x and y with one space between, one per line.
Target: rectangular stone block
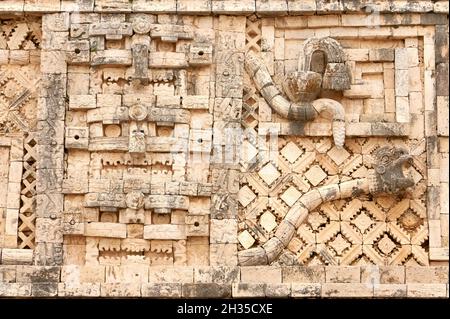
261 274
390 291
7 273
209 290
217 274
274 7
309 290
167 60
223 254
346 290
401 82
112 57
82 102
79 290
427 275
402 114
248 290
120 290
12 6
92 274
15 290
390 129
370 274
164 232
382 55
323 21
38 274
301 7
161 290
392 274
12 216
114 274
443 118
441 79
223 231
361 55
441 41
112 230
70 274
178 274
363 91
439 253
233 6
303 274
426 290
155 6
278 290
53 62
194 7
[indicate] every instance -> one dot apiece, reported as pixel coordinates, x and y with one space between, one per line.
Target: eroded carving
133 128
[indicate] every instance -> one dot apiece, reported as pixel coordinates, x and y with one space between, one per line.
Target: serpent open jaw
393 170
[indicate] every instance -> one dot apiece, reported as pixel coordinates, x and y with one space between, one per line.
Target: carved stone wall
385 231
20 43
138 134
203 148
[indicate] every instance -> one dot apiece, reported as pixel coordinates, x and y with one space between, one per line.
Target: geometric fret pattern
374 230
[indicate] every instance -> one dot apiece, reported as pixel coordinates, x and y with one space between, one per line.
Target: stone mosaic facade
206 148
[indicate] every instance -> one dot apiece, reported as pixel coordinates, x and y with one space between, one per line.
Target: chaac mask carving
129 194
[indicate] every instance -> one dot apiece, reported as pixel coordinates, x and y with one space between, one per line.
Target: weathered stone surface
15 289
392 275
390 291
209 290
159 274
223 231
441 79
426 290
248 290
79 290
120 290
349 274
44 289
261 274
309 290
278 290
152 148
338 290
219 275
161 290
39 274
301 274
427 275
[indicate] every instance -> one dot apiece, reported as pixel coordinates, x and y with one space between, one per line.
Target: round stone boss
138 112
141 23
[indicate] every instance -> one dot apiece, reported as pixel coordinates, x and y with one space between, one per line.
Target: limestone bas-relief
136 140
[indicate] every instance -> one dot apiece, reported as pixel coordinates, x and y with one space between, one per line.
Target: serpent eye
384 159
